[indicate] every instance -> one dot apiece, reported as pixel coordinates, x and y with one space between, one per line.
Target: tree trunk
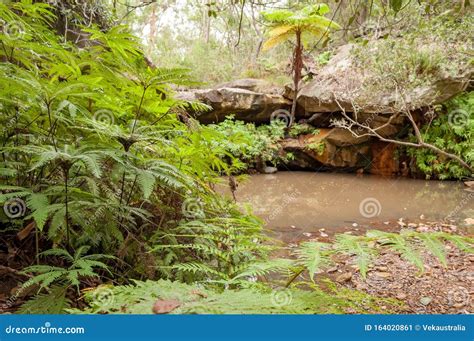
297 67
152 36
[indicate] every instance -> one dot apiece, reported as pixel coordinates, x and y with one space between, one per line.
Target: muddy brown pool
310 201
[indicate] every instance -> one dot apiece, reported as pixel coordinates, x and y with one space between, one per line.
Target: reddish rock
384 159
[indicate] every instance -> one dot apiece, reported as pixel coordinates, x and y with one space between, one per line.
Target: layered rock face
338 87
249 100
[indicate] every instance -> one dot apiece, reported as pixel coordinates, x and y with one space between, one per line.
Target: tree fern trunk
297 66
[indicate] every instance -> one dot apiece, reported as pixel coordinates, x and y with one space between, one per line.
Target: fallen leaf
26 231
165 306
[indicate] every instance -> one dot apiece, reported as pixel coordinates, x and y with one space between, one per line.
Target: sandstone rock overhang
243 99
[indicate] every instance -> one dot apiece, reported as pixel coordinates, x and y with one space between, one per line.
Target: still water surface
309 201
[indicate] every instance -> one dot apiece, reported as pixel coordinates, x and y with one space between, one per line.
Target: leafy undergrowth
195 299
452 129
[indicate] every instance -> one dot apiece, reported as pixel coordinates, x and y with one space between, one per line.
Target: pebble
344 277
382 274
306 234
425 300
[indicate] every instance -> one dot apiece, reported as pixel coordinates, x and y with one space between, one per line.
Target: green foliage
324 58
52 302
92 143
315 256
249 145
195 299
222 250
53 282
309 21
302 129
452 130
79 266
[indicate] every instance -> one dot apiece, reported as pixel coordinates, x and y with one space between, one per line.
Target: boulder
344 138
342 85
336 152
381 123
251 84
245 105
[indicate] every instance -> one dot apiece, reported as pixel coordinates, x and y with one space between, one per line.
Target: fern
52 302
81 266
314 256
196 299
355 245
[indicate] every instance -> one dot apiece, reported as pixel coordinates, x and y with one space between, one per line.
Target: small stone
306 234
401 296
344 277
422 216
425 300
322 234
293 226
355 225
270 170
423 228
469 221
382 274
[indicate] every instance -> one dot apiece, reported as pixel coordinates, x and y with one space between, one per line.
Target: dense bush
94 158
251 145
452 130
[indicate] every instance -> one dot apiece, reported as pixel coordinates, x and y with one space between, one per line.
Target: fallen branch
348 123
